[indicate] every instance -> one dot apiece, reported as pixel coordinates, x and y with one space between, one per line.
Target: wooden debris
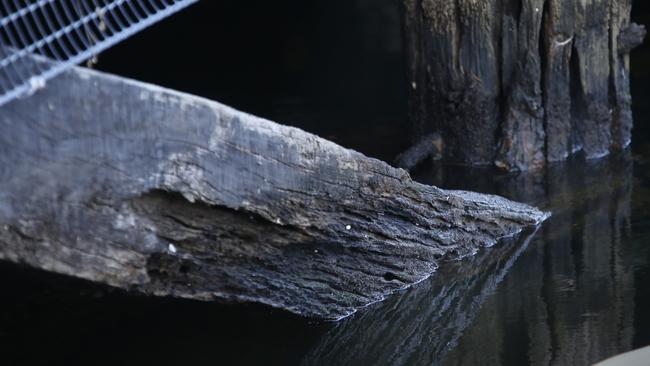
153 190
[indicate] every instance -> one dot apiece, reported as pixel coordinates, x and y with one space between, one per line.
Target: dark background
331 67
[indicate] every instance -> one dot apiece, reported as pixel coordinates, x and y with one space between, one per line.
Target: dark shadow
48 319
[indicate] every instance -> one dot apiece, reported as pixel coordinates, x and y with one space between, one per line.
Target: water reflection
567 298
571 299
421 325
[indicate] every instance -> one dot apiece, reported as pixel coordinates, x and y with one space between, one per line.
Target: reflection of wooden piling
572 294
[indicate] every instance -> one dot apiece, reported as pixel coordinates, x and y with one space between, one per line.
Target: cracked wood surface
165 193
520 83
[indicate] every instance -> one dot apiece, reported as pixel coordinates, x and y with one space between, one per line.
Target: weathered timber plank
153 190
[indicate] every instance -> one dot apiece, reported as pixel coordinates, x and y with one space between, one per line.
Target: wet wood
520 83
149 189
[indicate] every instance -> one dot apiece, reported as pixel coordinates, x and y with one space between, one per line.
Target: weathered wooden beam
149 189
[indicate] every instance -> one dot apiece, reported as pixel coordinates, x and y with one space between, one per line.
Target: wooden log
149 189
520 83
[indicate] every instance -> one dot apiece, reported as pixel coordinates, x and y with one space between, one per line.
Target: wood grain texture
149 189
520 83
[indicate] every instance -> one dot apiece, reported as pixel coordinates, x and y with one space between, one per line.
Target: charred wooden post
520 83
144 188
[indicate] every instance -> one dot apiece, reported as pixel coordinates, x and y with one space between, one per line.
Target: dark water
572 293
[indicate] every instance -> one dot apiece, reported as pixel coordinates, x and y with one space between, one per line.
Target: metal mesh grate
40 38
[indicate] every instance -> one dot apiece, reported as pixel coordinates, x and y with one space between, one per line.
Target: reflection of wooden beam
140 187
424 324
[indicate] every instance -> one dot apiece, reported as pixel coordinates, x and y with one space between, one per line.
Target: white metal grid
41 38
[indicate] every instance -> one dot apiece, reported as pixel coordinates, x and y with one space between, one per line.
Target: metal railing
41 38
